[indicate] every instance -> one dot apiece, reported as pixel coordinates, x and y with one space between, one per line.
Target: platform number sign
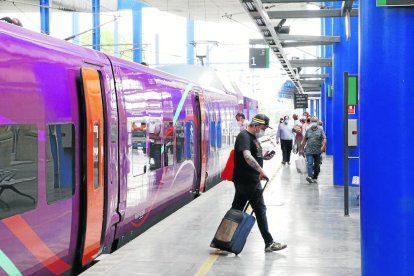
385 3
259 58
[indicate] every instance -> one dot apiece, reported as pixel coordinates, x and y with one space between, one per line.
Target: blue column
44 17
136 8
387 189
323 71
346 59
311 108
96 32
317 109
328 122
75 27
116 38
190 39
137 33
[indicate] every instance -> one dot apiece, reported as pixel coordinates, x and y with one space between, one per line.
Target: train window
60 158
189 140
168 143
213 134
219 134
179 141
18 169
138 148
156 144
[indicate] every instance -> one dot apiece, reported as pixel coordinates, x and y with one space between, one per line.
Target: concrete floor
308 217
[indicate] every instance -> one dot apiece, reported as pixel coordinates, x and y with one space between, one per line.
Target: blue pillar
44 17
136 8
75 27
96 32
137 33
190 39
346 59
317 109
387 189
328 122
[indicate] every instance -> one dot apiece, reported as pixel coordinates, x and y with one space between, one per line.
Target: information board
259 58
385 3
300 101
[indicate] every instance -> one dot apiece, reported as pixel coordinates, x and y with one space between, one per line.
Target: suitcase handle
248 202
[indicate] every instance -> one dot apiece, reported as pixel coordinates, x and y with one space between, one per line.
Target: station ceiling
267 15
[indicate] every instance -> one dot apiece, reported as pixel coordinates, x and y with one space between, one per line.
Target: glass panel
18 169
219 134
96 155
138 149
168 143
213 134
179 141
60 160
156 143
189 141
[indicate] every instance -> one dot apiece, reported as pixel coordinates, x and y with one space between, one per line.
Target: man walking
247 173
285 135
313 145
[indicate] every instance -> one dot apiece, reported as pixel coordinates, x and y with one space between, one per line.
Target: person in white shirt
285 136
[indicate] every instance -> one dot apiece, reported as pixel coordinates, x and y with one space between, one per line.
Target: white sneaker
309 179
275 246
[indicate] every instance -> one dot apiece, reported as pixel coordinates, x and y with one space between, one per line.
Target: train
94 150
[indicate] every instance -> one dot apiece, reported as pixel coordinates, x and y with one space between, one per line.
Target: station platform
308 217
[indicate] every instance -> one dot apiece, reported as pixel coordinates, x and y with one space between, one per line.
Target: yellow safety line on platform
212 258
207 264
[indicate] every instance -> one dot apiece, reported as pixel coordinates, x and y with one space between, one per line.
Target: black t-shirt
243 173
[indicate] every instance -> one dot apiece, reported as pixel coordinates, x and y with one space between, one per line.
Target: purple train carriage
94 150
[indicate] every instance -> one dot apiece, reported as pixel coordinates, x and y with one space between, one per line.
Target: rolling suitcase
234 229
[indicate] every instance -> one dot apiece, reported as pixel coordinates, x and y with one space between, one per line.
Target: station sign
385 3
258 57
300 101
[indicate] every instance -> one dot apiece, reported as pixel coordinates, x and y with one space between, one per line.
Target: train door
92 165
201 161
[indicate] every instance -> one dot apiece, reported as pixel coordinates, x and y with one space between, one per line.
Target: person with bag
247 173
313 146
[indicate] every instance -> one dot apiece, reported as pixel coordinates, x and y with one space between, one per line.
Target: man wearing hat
247 173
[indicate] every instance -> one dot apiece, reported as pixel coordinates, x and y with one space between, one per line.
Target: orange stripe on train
22 230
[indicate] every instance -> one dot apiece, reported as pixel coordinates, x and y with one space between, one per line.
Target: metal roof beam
313 76
309 13
296 1
310 86
333 39
319 62
314 82
303 44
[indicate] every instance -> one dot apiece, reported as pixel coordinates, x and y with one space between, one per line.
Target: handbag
301 165
227 173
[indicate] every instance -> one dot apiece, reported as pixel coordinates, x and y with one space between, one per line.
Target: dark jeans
255 197
314 161
286 146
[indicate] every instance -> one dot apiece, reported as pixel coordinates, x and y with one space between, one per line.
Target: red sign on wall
351 109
